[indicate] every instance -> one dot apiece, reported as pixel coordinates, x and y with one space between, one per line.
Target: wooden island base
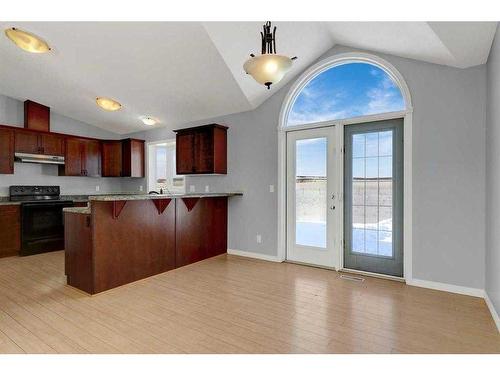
118 242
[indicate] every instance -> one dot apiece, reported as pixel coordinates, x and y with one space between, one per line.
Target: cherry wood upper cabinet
27 142
6 151
111 159
202 150
82 158
36 116
52 144
133 158
73 165
31 142
92 158
124 158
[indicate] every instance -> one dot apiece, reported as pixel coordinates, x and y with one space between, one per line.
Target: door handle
332 207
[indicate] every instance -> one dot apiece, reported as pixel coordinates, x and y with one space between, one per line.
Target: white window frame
300 83
152 143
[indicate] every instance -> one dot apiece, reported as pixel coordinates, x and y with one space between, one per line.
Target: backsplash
45 174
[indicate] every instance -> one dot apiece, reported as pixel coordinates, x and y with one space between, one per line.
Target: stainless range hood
39 159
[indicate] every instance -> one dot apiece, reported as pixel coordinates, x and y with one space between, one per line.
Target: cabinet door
92 158
133 158
52 144
185 153
112 159
203 151
73 165
27 142
10 230
6 151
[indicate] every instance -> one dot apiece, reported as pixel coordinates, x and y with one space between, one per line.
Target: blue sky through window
345 91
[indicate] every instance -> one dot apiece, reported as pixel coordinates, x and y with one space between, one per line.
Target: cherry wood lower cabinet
10 230
126 241
201 229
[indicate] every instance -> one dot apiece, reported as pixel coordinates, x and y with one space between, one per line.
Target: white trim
248 254
407 116
493 312
446 287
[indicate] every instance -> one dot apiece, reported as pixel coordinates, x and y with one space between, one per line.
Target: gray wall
448 171
12 113
493 177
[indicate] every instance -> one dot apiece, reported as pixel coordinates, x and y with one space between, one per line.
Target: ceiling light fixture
27 41
148 121
268 68
108 104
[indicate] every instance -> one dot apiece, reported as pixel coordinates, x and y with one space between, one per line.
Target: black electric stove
42 223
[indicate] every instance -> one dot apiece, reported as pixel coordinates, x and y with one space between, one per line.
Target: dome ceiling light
269 67
149 121
108 104
27 41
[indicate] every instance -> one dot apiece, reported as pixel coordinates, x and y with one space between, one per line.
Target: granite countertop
132 197
78 210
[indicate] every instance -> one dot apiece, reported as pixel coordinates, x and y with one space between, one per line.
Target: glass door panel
373 201
310 192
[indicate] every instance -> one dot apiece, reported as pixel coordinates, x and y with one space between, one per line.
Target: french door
311 196
373 197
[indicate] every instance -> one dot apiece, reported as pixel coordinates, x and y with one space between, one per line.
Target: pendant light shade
269 67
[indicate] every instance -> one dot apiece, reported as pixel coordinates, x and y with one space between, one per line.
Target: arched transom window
345 91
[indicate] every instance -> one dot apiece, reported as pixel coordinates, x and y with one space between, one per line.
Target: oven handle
38 204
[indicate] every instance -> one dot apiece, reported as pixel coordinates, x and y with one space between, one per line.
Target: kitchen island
119 239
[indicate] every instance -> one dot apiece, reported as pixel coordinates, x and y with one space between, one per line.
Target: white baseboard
249 254
447 287
493 312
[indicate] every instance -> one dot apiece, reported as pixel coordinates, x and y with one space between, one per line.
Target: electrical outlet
97 188
191 189
141 188
271 188
259 238
207 189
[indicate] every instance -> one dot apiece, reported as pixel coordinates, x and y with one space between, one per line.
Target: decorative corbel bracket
190 202
161 204
117 208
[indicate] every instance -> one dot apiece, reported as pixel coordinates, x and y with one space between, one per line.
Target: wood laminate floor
230 304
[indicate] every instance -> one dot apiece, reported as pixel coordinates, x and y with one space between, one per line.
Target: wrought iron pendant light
269 67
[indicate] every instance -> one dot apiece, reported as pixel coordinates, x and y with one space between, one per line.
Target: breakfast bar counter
118 239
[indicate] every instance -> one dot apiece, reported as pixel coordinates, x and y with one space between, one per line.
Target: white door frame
288 102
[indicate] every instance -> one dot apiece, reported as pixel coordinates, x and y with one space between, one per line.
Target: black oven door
42 227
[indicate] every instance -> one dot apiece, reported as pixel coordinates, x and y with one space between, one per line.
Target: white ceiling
183 72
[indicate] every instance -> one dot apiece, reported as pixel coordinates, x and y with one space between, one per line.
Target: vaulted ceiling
180 72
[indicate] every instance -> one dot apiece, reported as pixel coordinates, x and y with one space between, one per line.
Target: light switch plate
207 189
259 238
271 188
191 189
141 188
97 188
